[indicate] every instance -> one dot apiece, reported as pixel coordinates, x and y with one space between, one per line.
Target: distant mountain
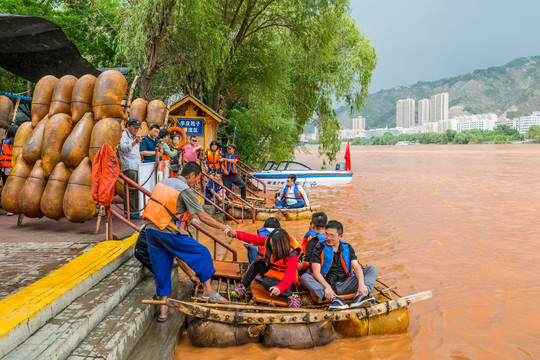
509 91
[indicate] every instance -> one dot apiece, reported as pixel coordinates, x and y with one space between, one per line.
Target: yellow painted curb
26 303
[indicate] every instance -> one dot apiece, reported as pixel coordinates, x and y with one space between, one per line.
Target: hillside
509 91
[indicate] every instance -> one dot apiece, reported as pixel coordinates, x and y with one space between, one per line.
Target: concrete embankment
90 308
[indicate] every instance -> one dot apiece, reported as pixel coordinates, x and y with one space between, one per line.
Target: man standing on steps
230 170
128 152
167 216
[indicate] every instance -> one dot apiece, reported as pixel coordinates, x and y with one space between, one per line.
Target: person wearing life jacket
167 214
335 271
211 158
277 265
292 196
6 152
270 225
229 167
313 237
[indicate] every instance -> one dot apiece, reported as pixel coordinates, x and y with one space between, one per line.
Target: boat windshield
295 166
269 166
291 166
282 166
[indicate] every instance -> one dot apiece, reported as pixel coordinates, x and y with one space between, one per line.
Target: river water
460 220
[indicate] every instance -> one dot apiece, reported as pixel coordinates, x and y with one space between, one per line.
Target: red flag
348 158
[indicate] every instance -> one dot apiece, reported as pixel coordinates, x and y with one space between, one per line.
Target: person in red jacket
277 265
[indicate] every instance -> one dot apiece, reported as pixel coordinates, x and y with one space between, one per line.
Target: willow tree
271 66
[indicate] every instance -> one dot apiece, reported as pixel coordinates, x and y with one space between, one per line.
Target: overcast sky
421 40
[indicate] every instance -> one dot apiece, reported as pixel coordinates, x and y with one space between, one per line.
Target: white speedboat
275 175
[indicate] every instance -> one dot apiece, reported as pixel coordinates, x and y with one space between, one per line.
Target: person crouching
278 268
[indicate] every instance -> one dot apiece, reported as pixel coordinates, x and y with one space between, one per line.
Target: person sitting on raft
167 213
330 276
313 237
277 265
290 199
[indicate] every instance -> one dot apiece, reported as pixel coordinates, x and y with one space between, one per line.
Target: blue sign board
191 126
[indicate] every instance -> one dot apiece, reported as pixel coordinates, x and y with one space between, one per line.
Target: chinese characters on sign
191 126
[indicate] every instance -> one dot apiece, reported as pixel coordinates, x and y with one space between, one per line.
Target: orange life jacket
161 207
7 152
212 159
277 268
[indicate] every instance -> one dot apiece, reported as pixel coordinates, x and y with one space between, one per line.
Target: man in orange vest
167 214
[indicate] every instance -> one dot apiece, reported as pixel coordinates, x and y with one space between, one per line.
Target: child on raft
314 235
277 265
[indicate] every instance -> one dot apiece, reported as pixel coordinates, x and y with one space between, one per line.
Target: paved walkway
40 246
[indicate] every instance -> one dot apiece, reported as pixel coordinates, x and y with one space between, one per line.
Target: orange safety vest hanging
213 159
161 207
7 152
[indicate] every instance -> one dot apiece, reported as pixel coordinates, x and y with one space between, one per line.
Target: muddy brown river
460 220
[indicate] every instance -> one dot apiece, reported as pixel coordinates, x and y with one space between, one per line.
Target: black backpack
141 250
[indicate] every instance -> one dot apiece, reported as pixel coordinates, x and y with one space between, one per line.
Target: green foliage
89 25
512 114
290 59
262 134
271 66
501 135
533 133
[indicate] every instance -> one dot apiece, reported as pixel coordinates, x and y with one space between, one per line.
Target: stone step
61 335
116 336
160 340
24 312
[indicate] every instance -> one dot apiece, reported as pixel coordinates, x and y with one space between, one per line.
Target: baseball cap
231 146
134 122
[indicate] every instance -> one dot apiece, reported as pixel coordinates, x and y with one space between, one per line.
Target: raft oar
303 316
364 254
238 307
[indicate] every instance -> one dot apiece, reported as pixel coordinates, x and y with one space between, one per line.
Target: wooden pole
98 221
130 95
15 110
20 219
253 307
304 316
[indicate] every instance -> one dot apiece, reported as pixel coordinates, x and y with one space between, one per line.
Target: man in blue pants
167 215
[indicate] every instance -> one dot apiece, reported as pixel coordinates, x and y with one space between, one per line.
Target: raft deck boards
262 296
229 270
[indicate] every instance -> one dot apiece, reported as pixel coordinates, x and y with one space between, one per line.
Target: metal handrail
249 175
215 205
242 201
246 166
195 225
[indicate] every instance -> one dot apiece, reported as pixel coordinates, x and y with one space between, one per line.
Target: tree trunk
145 86
215 96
